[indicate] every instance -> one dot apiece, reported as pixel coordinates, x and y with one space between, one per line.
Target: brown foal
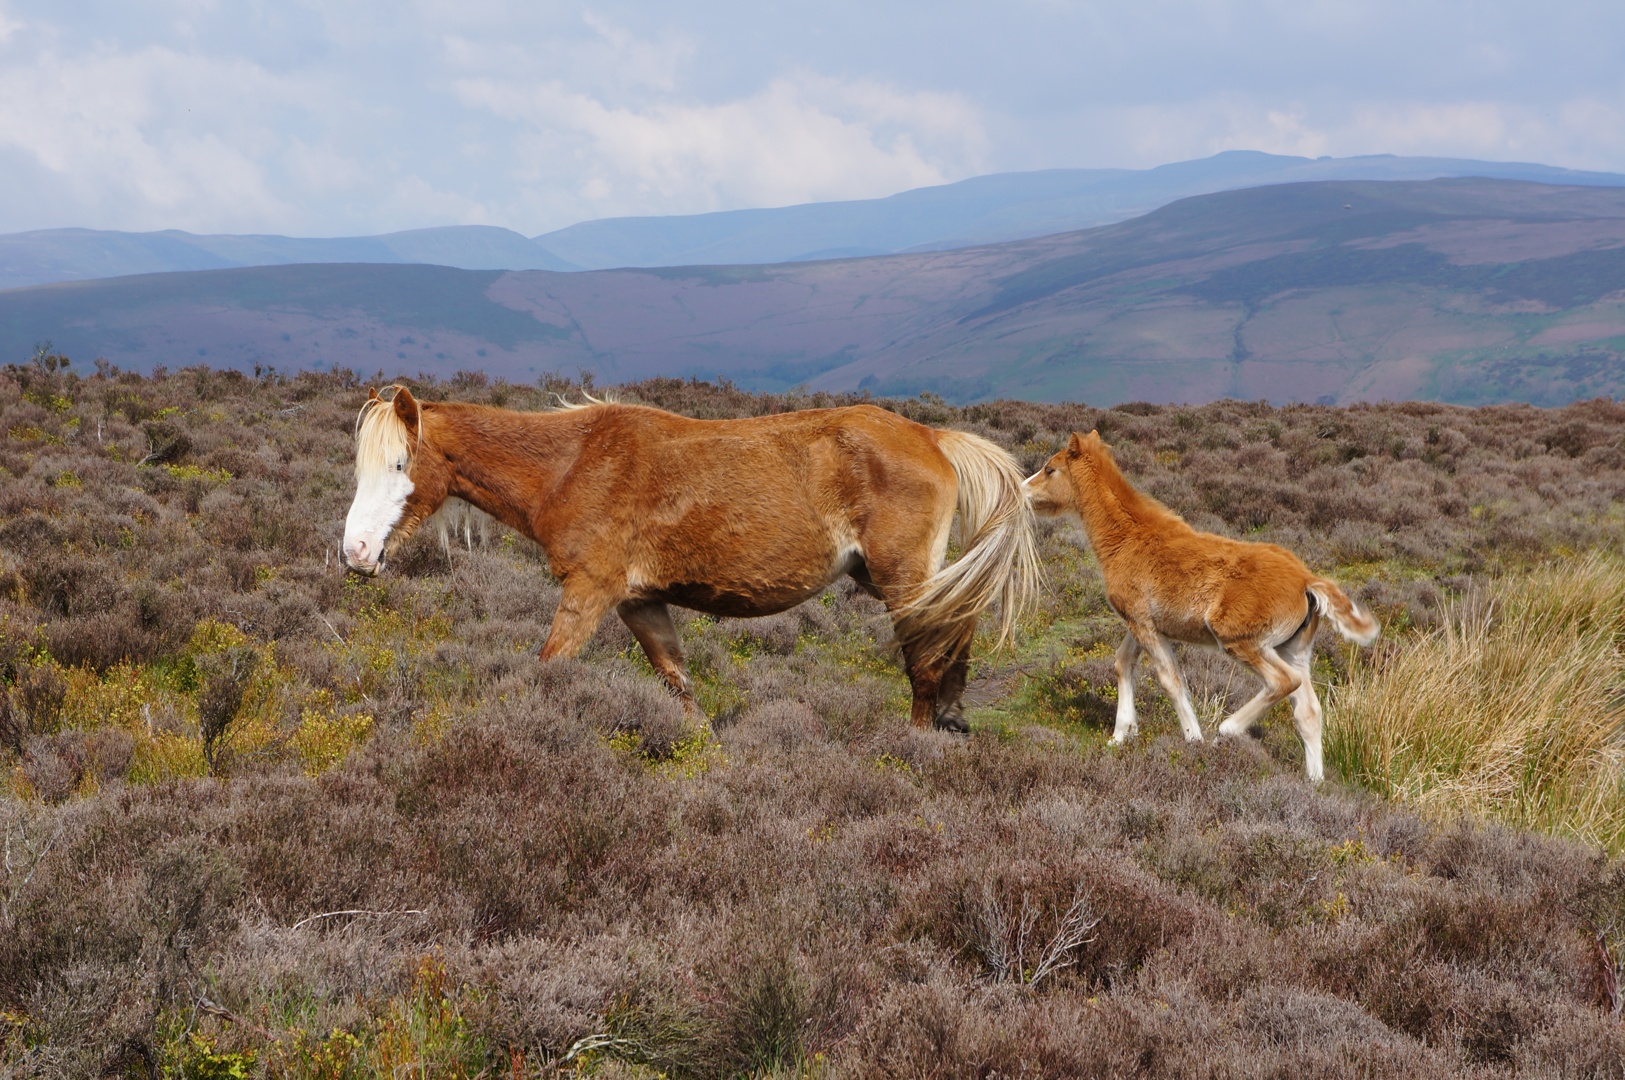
1170 583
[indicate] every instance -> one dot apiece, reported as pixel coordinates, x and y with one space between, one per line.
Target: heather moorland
260 818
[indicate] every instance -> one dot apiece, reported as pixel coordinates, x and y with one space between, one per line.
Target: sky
361 117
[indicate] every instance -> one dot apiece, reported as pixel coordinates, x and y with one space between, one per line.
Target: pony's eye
400 466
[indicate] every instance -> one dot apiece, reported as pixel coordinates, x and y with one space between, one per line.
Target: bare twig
1612 969
1004 936
588 1043
214 1008
335 632
14 891
355 911
1076 928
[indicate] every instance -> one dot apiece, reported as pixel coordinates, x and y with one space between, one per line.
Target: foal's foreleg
650 622
1128 725
1162 657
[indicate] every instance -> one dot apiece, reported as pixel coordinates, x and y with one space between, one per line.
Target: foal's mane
1111 483
381 436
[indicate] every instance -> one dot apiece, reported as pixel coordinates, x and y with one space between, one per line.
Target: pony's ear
407 408
372 394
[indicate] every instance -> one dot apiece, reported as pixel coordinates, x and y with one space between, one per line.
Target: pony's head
1050 489
400 479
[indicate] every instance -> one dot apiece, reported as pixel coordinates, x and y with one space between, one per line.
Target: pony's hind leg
950 713
1280 680
650 622
1162 658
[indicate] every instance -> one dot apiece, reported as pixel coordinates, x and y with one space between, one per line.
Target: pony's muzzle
356 559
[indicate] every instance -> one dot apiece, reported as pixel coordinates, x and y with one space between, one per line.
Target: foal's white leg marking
1162 655
1306 712
1128 654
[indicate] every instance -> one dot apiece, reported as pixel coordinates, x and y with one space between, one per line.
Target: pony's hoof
952 719
1122 740
1194 737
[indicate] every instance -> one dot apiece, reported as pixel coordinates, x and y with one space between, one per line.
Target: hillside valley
1458 290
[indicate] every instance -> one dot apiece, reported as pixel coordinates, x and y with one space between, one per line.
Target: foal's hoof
952 718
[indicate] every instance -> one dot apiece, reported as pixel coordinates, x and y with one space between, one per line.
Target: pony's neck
507 463
1112 511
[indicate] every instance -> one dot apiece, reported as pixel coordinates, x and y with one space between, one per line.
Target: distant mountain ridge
52 255
981 210
1464 290
988 209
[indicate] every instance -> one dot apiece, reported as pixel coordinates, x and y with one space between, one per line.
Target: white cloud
800 139
148 139
372 115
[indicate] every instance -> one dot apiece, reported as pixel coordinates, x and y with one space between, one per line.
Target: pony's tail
999 561
1350 619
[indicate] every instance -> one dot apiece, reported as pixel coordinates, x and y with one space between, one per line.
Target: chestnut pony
637 508
1257 602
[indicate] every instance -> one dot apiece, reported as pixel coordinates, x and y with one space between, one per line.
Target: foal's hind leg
650 622
1280 679
1306 712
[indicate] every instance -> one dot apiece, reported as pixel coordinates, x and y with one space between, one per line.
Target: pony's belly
734 601
752 590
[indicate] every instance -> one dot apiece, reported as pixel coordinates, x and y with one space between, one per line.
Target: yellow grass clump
1514 709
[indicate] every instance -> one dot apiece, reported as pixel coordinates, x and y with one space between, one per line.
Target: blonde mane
564 404
381 436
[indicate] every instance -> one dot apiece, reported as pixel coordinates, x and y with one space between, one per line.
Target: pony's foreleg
1128 655
650 622
1162 658
581 609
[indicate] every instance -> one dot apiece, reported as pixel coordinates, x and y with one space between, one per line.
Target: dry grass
1514 708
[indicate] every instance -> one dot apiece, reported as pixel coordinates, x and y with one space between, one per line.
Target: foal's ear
1074 445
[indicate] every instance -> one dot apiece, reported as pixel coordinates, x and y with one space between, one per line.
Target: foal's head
1050 489
400 478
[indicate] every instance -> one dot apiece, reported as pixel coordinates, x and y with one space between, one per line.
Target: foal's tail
1349 618
1000 557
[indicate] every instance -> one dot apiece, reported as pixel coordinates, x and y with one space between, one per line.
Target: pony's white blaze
383 482
378 505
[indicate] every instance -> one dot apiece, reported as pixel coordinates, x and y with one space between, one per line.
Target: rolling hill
1463 290
982 210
